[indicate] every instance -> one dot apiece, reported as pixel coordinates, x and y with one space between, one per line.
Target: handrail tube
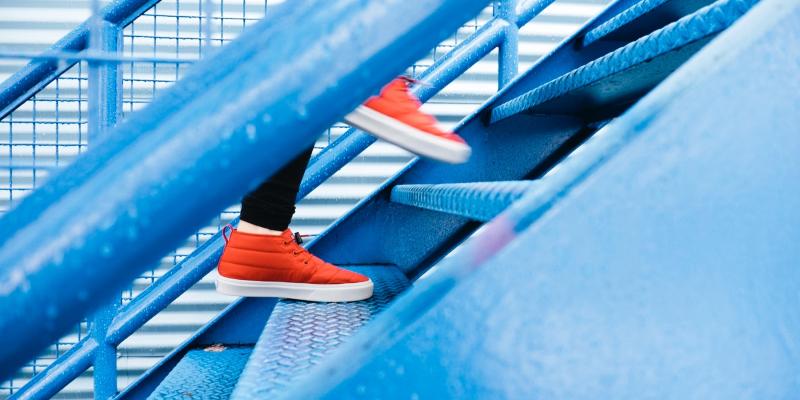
200 262
529 9
115 215
61 371
32 78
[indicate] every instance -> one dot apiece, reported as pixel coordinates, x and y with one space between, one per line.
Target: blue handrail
194 267
240 114
494 33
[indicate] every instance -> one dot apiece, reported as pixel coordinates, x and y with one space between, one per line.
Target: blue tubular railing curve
190 270
142 182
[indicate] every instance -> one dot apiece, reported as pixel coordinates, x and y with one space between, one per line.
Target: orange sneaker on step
277 266
395 117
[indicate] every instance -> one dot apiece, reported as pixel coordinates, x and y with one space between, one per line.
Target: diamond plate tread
639 13
299 334
481 201
692 28
209 373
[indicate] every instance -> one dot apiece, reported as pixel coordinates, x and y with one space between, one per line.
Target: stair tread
209 373
299 334
642 18
630 71
481 201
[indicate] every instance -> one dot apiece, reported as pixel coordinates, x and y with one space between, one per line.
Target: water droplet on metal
251 132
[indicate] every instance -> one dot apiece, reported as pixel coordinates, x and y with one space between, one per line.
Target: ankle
246 227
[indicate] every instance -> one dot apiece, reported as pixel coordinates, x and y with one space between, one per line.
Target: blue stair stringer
627 274
658 11
299 334
596 82
209 373
480 201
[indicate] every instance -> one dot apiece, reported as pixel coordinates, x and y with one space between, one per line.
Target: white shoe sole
406 136
297 291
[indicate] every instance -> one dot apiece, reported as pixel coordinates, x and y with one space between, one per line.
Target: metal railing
96 46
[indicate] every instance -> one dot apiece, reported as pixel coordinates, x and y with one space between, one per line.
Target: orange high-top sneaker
395 117
277 266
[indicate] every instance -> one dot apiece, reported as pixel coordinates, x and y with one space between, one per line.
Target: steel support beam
131 200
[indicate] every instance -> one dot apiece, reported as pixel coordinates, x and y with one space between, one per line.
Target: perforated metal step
480 201
299 334
642 18
210 373
611 82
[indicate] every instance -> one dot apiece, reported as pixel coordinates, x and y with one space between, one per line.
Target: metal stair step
209 373
480 201
299 334
642 18
606 85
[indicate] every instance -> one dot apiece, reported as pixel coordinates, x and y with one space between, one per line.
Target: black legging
271 205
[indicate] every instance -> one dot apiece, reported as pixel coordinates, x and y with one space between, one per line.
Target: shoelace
298 250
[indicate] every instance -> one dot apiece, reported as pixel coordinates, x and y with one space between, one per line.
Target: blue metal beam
192 268
131 199
623 75
658 262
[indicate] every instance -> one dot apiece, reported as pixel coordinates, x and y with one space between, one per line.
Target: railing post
105 99
509 48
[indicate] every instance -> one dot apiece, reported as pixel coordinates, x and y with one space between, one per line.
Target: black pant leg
272 204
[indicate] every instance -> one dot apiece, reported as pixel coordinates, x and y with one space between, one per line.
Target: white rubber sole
406 136
297 291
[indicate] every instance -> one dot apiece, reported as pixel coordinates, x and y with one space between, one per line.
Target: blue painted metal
37 74
64 369
299 334
673 44
649 15
209 373
480 201
237 325
179 279
205 134
105 101
658 262
509 49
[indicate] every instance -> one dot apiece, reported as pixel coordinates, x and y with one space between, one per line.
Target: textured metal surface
692 28
209 373
481 201
659 262
299 334
154 161
649 15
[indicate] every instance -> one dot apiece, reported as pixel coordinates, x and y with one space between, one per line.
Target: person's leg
269 208
263 259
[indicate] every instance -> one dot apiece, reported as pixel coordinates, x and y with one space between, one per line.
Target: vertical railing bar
508 58
105 102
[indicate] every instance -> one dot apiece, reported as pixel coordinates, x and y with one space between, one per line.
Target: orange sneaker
277 266
395 117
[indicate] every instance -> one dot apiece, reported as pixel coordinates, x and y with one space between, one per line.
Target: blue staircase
625 228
